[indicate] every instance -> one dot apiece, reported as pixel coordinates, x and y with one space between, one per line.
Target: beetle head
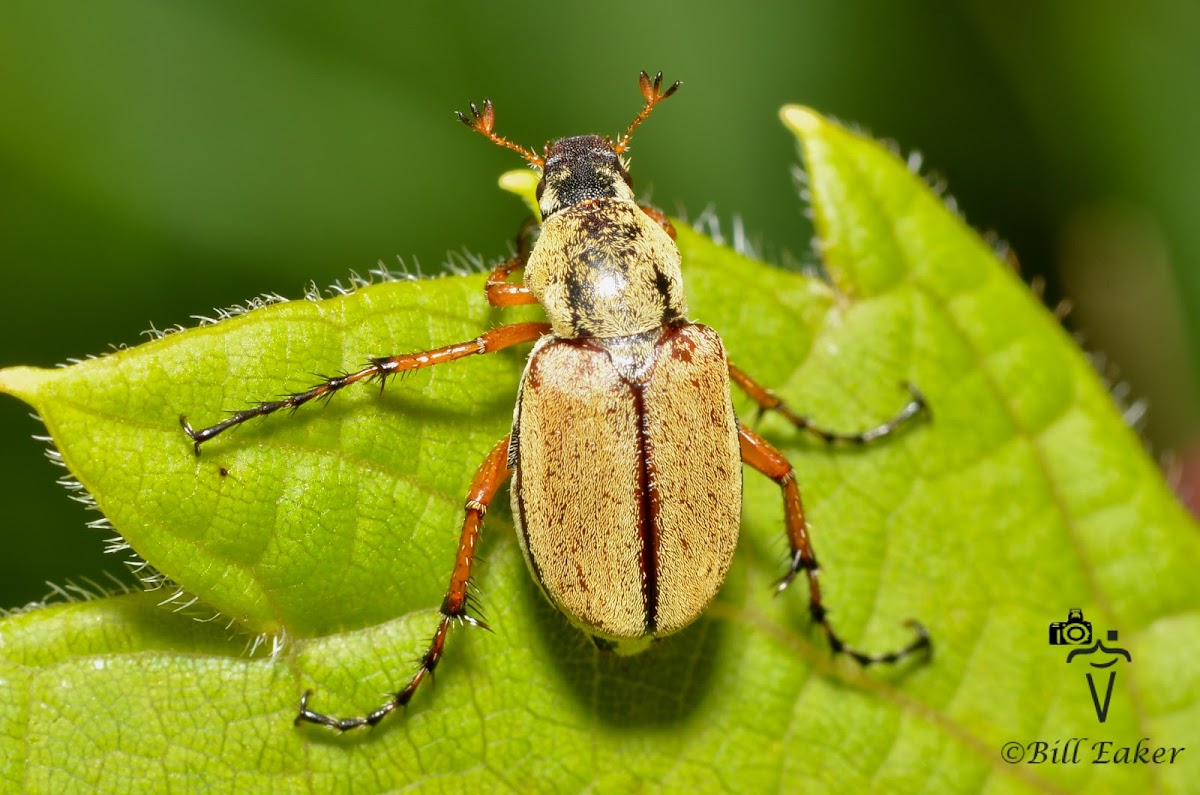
581 168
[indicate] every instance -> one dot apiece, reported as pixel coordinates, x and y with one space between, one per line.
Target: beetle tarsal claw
475 622
306 715
918 405
923 641
191 432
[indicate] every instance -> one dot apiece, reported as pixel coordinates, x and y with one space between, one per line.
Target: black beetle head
581 169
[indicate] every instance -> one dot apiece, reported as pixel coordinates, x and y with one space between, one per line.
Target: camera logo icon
1072 632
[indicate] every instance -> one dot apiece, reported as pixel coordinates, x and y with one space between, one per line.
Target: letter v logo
1102 711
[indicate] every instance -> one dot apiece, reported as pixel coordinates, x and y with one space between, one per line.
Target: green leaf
1022 497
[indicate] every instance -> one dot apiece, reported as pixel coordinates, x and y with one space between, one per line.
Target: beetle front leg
659 217
769 401
496 339
759 453
501 292
492 474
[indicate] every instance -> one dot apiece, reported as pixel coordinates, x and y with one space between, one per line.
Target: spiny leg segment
759 453
491 475
769 401
381 368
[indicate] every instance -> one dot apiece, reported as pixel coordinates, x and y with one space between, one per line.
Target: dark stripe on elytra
648 507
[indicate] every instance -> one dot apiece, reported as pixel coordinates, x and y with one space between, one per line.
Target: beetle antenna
485 120
651 90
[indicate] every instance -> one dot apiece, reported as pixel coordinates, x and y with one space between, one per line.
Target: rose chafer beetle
625 453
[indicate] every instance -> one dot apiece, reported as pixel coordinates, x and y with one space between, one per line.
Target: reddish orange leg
769 401
500 292
381 368
758 453
488 479
660 218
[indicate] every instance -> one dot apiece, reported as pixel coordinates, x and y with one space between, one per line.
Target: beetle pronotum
625 453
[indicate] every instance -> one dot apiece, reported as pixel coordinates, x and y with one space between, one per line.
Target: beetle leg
502 292
380 368
491 475
769 401
759 453
660 218
499 291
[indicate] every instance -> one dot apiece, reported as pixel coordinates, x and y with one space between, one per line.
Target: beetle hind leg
769 401
804 561
758 453
456 607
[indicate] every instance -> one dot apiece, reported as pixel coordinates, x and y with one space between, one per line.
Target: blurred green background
160 159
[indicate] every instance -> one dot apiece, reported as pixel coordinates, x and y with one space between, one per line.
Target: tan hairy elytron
636 543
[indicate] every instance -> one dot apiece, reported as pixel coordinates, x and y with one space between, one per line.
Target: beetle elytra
625 453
